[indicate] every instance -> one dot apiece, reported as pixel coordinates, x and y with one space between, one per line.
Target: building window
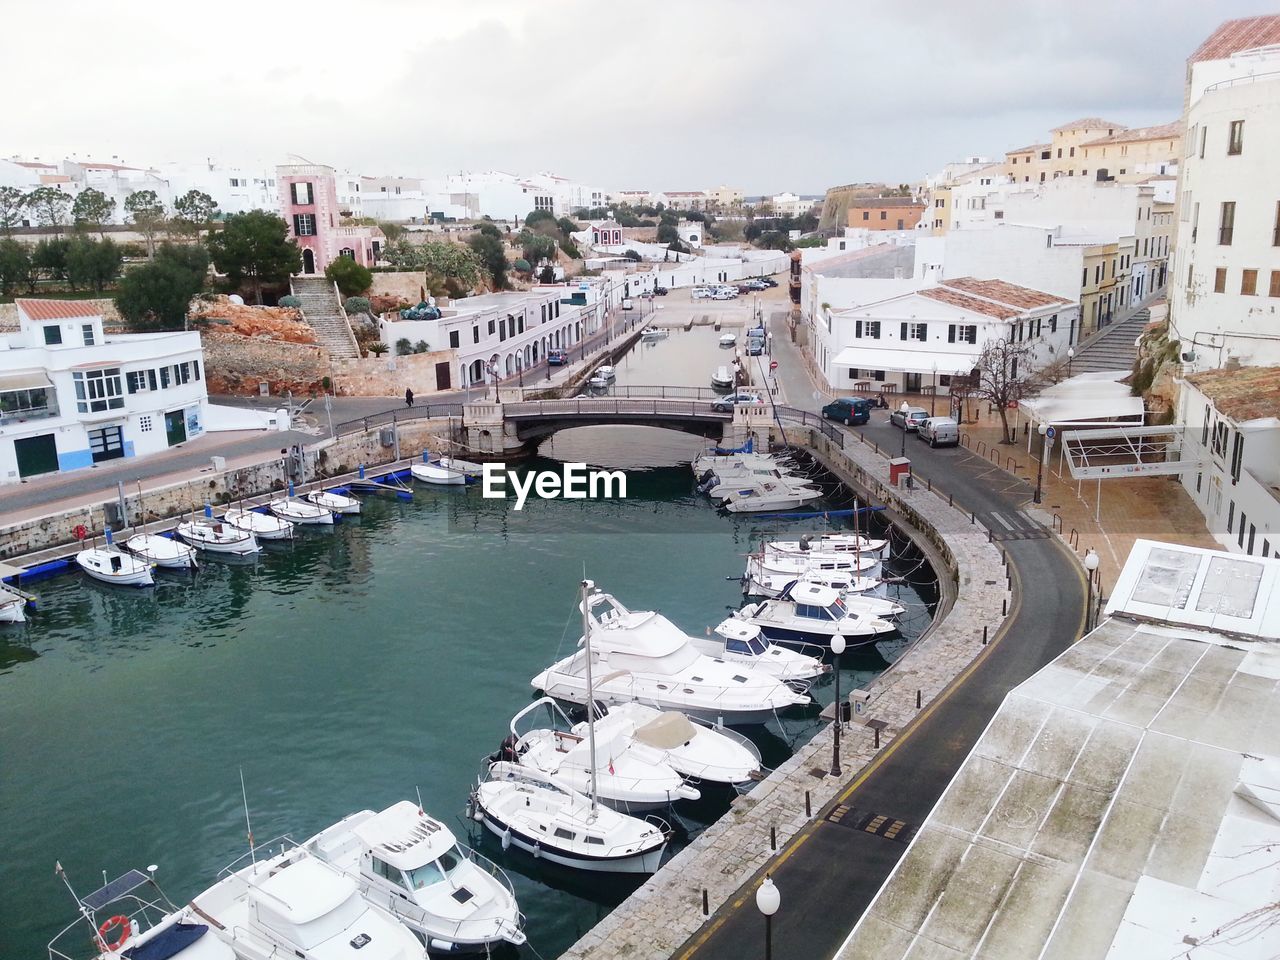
1226 222
914 331
962 333
453 339
475 333
1249 283
1204 136
1275 284
304 225
1053 324
302 195
86 332
1235 138
866 214
1275 230
52 335
98 390
1219 439
1220 280
136 381
493 325
884 214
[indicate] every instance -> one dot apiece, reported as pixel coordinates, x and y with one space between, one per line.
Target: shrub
378 348
356 305
421 347
521 266
352 279
289 300
403 347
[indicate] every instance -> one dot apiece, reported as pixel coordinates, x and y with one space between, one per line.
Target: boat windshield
837 610
436 871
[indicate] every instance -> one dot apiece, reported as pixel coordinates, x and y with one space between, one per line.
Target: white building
505 196
1225 294
72 397
791 205
235 189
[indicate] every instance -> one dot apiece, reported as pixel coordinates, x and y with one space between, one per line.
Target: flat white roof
1123 803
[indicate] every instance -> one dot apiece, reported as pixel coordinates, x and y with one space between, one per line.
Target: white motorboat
465 467
333 502
299 511
264 526
642 656
411 864
606 371
831 543
141 922
214 536
693 748
715 461
629 776
13 606
724 378
294 904
736 641
728 339
768 583
110 565
164 552
531 810
759 496
655 333
722 487
814 614
435 472
804 566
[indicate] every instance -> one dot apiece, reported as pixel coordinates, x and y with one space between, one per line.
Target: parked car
755 346
940 432
910 419
661 291
756 284
701 293
850 411
744 288
726 404
724 293
557 358
768 281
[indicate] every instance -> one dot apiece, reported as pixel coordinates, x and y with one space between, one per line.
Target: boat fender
506 838
537 851
471 806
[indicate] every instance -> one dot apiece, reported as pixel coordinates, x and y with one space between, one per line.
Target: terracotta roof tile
1165 131
1088 123
1031 149
1005 292
1243 394
972 304
57 309
1236 35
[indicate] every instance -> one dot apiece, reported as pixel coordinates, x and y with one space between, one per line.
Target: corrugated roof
1005 292
1243 394
56 309
1165 131
1236 35
1088 123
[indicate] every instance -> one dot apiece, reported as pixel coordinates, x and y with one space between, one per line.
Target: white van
701 293
940 432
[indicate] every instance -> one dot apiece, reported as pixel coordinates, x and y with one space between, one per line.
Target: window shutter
903 335
922 331
951 333
857 329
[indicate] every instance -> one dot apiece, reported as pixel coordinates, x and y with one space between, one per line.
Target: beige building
725 198
1097 148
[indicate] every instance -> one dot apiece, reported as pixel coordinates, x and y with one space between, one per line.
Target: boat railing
145 912
741 739
710 696
284 842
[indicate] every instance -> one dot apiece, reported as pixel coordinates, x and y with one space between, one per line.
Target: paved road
832 870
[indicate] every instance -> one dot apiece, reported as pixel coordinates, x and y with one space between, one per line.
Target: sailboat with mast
543 816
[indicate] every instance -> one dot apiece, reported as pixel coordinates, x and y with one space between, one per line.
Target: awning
24 381
908 361
1084 399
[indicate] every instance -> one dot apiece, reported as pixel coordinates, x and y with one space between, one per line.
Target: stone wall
162 505
664 913
237 364
389 376
407 284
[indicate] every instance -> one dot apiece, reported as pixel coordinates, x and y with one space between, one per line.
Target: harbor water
355 667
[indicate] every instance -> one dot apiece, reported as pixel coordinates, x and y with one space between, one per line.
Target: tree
92 263
254 248
667 233
536 247
570 249
92 210
15 267
567 226
449 267
352 279
49 206
12 202
49 256
392 231
193 259
193 212
540 216
157 295
144 210
632 255
547 274
493 255
489 230
1005 375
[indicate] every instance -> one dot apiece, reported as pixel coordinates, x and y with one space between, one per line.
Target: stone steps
1113 348
323 312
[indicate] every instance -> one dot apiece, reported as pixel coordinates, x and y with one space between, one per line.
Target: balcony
18 406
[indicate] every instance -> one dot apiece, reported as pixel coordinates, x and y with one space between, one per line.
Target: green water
347 670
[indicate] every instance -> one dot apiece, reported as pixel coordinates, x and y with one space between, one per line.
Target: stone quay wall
159 507
389 376
664 913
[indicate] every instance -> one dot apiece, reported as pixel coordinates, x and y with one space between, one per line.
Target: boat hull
731 718
13 610
264 526
334 502
163 552
134 573
791 635
304 513
242 544
432 473
644 862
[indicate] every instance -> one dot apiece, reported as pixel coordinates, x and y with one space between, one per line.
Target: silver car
909 419
940 432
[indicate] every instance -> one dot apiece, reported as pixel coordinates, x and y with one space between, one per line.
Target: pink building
606 234
309 204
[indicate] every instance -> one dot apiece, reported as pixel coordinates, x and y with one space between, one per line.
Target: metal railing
430 411
610 405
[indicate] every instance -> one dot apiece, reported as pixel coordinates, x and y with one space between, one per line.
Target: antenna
591 712
247 826
418 791
84 911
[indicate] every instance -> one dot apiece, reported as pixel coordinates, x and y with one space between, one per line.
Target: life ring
81 533
126 928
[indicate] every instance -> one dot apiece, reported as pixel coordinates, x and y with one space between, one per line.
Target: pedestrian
408 397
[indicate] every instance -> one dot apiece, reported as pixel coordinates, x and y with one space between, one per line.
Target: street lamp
1071 355
905 410
768 899
837 647
1043 430
1091 561
933 399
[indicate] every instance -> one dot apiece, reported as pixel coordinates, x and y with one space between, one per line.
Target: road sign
1051 433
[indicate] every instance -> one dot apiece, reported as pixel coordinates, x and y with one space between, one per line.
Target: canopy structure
1091 399
951 363
38 380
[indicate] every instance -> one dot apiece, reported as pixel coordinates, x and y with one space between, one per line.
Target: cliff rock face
219 316
246 346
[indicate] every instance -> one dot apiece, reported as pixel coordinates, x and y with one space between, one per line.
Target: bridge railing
430 411
613 405
817 421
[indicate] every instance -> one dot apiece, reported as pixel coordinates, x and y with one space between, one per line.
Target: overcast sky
762 94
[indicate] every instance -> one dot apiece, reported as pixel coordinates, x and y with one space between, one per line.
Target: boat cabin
816 602
410 851
306 902
742 638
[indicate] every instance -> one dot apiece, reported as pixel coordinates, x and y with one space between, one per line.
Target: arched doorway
577 331
511 364
308 260
477 371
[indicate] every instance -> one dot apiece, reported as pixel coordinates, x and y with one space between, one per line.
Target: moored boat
164 552
723 378
111 565
13 606
728 339
736 641
214 536
813 614
465 467
299 511
264 526
435 472
333 502
831 543
761 496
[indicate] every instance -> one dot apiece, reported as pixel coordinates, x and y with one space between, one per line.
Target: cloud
670 95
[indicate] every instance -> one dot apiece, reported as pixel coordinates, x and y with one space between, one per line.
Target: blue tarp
168 943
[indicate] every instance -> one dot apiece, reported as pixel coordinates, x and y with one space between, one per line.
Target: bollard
1004 607
988 535
984 634
808 811
773 838
706 907
918 692
929 484
951 499
973 517
877 730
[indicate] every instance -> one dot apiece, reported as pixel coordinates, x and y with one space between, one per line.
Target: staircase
1113 348
322 309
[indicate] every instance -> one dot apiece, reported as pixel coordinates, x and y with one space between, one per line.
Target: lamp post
1071 355
905 410
837 648
768 899
933 399
1043 429
1091 561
